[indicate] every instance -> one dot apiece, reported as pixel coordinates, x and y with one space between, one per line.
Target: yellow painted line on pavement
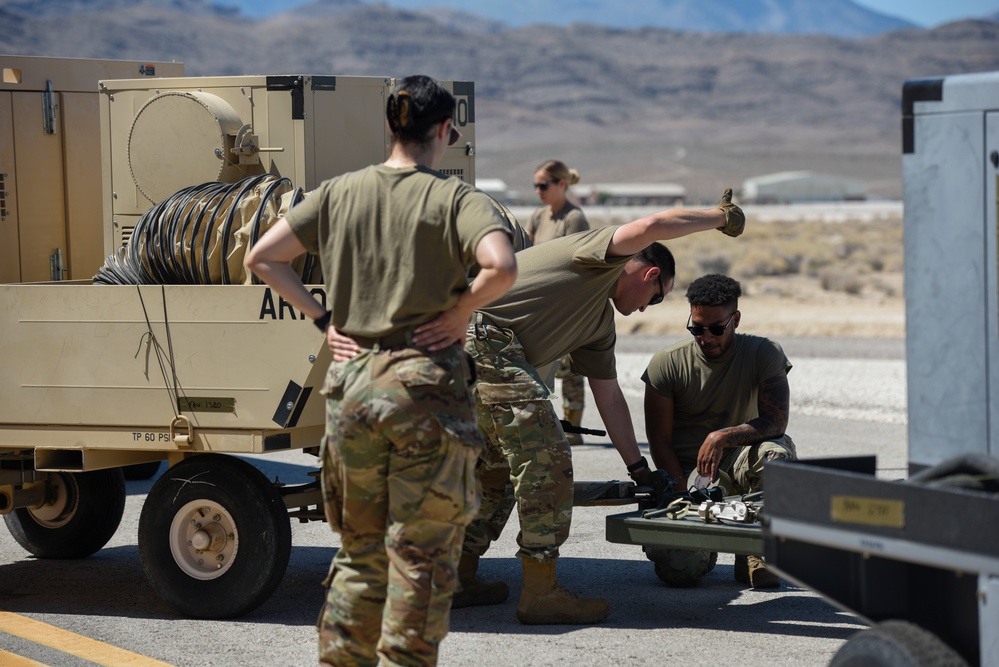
8 659
72 643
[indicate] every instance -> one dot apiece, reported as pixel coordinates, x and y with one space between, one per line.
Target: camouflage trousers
744 465
399 486
528 462
573 387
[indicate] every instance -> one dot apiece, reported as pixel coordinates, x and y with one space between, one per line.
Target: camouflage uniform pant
573 387
528 462
744 465
399 486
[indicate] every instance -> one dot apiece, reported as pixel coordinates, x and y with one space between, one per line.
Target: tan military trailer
159 346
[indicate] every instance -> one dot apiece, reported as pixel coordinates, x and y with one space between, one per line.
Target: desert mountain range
703 109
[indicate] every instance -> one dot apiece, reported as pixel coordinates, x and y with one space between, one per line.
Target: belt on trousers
391 340
479 324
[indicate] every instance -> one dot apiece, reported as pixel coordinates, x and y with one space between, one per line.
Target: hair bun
403 108
415 105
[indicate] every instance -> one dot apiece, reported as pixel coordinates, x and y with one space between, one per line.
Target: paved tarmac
848 397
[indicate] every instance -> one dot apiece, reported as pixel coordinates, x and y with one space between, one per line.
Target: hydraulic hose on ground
200 235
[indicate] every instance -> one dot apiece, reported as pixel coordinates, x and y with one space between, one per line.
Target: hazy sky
929 13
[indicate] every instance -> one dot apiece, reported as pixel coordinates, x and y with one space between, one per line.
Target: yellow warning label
868 511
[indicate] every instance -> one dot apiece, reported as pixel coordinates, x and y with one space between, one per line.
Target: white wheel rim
203 539
57 513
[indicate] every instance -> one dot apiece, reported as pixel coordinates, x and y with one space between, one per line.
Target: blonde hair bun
558 171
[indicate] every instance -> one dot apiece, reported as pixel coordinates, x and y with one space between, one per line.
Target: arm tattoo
774 405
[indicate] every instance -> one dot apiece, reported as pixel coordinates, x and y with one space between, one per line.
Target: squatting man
716 405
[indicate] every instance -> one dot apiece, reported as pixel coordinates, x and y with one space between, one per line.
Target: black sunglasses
454 135
543 185
658 298
715 329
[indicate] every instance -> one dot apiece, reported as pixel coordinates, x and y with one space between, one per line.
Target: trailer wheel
681 568
214 537
82 513
896 644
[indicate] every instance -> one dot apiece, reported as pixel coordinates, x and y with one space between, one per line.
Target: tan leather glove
735 219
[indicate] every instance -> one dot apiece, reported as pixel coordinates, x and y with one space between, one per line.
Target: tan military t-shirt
711 394
396 245
543 226
560 304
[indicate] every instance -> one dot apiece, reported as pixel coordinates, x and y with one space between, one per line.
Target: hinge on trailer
3 196
295 84
49 107
57 267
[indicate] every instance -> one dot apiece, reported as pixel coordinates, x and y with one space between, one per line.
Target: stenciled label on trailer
883 512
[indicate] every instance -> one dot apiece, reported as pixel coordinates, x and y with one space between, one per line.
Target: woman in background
560 217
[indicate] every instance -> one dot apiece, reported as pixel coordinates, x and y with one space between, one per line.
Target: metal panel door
40 180
84 210
349 126
992 273
10 256
945 240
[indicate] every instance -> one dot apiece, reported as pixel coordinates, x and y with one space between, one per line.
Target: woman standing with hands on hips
560 217
396 241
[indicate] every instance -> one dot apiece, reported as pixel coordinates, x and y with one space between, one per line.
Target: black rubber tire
141 470
84 515
681 568
896 644
246 521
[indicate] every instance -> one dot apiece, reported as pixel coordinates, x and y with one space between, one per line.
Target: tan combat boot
474 591
544 602
574 417
753 570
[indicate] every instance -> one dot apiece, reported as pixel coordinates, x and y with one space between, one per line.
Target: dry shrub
715 264
765 261
887 258
886 287
842 256
841 280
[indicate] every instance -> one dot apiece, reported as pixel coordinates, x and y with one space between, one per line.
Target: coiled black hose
180 239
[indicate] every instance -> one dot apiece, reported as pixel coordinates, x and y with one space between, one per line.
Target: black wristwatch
638 465
323 321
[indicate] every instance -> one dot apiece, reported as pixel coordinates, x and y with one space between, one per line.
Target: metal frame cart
916 559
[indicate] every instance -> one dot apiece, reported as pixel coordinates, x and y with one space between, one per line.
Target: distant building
630 194
801 186
495 188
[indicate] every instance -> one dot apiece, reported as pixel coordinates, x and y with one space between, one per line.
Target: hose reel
200 235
